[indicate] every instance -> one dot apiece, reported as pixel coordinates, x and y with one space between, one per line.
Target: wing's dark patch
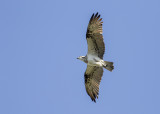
94 36
92 78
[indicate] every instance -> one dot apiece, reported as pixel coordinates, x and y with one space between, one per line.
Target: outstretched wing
92 77
94 36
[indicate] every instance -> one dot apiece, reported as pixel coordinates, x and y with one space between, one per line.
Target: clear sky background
41 39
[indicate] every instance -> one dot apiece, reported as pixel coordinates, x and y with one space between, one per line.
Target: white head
82 58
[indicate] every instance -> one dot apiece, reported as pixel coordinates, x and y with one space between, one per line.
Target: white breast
93 60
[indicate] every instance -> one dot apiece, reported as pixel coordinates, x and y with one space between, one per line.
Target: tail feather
108 65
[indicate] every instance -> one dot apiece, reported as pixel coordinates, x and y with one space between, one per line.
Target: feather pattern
94 36
92 77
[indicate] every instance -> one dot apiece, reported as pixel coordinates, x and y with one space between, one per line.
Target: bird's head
82 58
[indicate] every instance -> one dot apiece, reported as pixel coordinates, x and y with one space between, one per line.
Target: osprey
94 57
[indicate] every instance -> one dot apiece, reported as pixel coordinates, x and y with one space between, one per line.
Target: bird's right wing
92 77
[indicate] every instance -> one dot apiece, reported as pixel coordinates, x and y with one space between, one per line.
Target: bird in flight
94 57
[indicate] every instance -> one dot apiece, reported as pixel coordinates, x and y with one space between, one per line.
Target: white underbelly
94 61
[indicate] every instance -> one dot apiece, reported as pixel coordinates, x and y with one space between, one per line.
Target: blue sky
40 41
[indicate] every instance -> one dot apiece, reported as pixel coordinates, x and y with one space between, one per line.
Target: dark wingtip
96 14
94 100
92 17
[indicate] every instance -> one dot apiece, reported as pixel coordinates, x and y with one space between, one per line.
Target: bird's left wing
92 77
94 36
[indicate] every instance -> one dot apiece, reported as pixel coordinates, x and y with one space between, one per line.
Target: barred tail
108 65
